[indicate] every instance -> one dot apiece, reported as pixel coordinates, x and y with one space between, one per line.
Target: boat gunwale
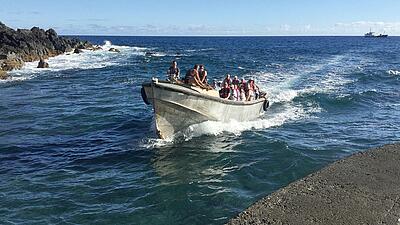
198 94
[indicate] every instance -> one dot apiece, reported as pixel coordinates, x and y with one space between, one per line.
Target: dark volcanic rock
23 45
96 48
43 64
113 50
150 53
77 51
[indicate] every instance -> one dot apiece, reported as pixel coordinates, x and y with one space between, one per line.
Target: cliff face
23 45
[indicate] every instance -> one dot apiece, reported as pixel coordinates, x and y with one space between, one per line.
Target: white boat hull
176 107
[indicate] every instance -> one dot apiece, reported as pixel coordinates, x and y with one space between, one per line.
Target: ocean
78 145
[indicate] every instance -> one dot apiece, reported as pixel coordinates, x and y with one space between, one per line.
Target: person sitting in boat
225 92
253 90
216 85
202 74
227 80
256 90
242 95
192 78
243 87
192 75
236 80
219 85
173 72
235 93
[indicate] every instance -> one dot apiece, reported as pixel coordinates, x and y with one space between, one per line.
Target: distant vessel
382 35
372 34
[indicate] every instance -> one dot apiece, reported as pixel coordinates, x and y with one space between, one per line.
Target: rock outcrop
113 50
43 64
3 75
77 51
23 45
96 48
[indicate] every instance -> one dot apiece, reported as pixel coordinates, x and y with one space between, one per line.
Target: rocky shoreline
361 189
24 45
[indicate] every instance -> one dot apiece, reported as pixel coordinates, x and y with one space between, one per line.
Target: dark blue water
77 144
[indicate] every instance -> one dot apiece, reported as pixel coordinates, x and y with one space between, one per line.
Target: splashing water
88 59
393 72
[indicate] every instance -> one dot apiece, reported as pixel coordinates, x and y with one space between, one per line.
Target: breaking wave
88 59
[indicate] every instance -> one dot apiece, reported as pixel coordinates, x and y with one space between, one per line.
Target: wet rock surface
43 64
3 75
113 50
361 189
77 51
24 45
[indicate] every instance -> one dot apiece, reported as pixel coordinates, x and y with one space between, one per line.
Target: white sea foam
393 72
17 78
274 65
158 54
86 60
200 50
107 43
213 128
156 143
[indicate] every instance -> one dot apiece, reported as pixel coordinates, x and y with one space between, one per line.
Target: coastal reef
24 45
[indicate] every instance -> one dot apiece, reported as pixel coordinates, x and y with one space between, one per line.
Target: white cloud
285 27
342 28
363 26
151 29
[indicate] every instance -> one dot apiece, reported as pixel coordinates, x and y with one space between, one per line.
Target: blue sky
207 17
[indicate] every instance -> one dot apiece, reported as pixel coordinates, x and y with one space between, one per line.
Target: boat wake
287 91
213 128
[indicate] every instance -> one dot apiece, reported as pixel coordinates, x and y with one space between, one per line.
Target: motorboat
178 106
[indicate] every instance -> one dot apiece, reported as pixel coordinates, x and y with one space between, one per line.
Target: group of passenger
196 76
233 89
237 89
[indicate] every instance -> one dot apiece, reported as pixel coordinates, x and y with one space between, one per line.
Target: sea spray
88 59
393 72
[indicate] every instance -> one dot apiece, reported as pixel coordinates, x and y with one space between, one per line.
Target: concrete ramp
361 189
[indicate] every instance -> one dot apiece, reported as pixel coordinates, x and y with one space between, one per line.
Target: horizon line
299 35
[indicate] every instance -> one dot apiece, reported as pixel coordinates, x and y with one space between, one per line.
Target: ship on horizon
372 34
